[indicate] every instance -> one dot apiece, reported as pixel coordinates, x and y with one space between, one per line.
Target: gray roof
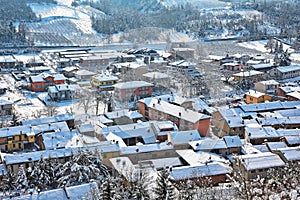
145 148
206 170
232 141
183 137
208 144
56 118
83 128
276 145
259 107
261 161
291 153
293 139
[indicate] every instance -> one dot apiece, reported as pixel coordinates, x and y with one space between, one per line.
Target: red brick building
128 91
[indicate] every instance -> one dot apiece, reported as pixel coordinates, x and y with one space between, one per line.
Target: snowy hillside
201 4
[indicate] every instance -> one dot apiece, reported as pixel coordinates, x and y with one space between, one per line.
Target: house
6 107
86 129
273 146
253 96
84 77
286 72
185 119
175 99
63 92
292 140
293 96
156 77
251 75
203 165
183 53
70 71
268 87
253 165
16 138
230 121
127 58
94 61
37 83
128 91
148 151
132 134
68 118
217 146
135 69
122 117
104 82
181 139
232 66
233 143
289 154
186 68
7 62
263 67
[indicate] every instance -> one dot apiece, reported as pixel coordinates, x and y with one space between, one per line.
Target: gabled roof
276 145
146 148
104 77
174 110
232 141
183 137
269 106
35 79
261 161
291 153
208 144
255 94
132 84
248 73
206 170
56 118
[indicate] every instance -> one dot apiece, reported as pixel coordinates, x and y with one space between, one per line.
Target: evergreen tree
21 180
164 188
7 183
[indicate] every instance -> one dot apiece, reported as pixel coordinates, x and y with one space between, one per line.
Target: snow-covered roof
56 118
7 59
5 102
233 117
199 157
275 145
60 139
35 79
156 75
232 141
208 144
248 73
262 66
132 84
105 120
51 127
269 82
255 93
162 162
288 89
85 73
121 113
268 106
287 69
141 129
261 161
173 98
292 139
58 77
291 153
16 130
114 137
183 137
206 170
295 95
200 105
106 77
270 121
288 113
145 148
261 132
3 170
84 128
174 110
261 148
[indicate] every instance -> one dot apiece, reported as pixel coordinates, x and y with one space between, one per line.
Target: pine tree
21 180
164 188
7 184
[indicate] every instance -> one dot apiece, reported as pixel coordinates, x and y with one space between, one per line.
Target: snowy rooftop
295 95
132 84
174 98
208 144
121 113
53 127
206 170
5 102
276 145
233 117
261 161
63 87
183 137
105 77
293 139
287 69
288 113
84 72
141 129
145 148
84 128
7 59
35 79
255 94
56 118
60 139
291 153
248 73
262 66
269 82
162 163
156 75
232 141
199 157
105 120
288 89
279 120
269 106
200 105
173 110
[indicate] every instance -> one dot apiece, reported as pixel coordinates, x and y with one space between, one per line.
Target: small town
180 119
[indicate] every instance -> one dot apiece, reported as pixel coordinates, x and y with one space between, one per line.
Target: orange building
253 96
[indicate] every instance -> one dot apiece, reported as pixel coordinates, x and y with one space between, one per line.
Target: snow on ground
202 4
260 45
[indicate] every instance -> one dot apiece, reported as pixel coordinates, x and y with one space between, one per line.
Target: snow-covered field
201 4
259 45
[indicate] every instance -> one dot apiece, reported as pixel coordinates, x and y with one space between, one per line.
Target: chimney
153 105
159 100
228 121
179 114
